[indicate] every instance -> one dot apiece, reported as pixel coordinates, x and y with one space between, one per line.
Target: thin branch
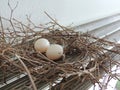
54 20
2 33
28 72
12 9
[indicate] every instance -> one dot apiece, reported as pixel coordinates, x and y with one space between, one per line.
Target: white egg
41 45
54 52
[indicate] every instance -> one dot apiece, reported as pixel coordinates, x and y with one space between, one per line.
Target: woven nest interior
85 56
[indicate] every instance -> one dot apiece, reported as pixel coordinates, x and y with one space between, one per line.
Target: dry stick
30 22
3 33
26 69
53 20
10 61
42 56
23 24
11 14
12 9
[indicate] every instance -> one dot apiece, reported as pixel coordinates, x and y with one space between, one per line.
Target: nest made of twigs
84 55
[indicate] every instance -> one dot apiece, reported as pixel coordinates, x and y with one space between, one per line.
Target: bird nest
85 56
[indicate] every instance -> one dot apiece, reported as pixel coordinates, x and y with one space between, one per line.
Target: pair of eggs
53 51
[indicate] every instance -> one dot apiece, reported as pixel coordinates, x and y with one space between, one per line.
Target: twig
12 9
2 33
53 20
26 69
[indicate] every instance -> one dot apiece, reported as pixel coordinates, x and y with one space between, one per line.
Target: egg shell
41 45
54 52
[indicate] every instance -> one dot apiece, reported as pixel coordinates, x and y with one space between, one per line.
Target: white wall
65 11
